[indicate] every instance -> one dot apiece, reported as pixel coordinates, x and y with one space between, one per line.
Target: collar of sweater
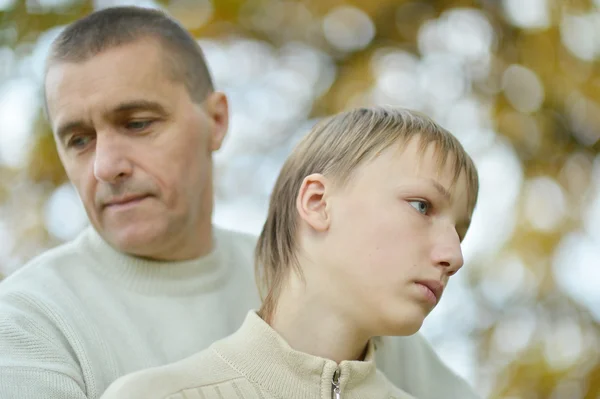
158 277
262 356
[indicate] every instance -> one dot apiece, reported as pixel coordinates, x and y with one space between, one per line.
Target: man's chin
134 240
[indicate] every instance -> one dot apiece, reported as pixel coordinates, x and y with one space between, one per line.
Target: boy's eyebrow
464 223
441 189
463 227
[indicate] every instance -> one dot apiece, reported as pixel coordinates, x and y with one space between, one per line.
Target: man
136 120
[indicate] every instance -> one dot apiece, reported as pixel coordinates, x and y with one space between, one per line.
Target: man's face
137 148
395 228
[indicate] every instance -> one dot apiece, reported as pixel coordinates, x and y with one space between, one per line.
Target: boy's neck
310 325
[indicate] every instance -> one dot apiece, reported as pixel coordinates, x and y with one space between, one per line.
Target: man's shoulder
394 392
412 363
46 270
36 308
47 277
238 245
200 370
235 237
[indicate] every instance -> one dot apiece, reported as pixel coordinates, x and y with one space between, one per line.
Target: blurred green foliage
563 130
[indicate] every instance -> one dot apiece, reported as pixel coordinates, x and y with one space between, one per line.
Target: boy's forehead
415 159
426 158
430 164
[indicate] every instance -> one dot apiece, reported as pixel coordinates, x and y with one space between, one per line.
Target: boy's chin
405 324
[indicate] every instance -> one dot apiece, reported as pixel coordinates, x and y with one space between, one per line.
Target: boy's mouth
436 288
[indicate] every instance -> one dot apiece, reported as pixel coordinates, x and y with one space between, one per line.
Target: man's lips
126 200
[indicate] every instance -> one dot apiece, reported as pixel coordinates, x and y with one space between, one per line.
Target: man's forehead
131 62
79 116
56 84
73 94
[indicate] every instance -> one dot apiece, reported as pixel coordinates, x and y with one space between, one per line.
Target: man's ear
217 110
311 202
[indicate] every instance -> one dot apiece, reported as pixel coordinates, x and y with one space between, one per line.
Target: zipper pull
336 392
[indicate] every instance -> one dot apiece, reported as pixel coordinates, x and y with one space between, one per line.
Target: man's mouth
125 200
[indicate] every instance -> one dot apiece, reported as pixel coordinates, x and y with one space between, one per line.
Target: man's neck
189 243
310 325
178 249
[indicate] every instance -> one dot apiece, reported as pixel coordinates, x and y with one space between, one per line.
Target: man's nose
111 162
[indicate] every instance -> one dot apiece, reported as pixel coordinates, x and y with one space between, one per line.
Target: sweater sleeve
412 364
36 360
34 382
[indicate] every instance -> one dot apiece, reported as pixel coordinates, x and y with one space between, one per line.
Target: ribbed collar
260 354
158 277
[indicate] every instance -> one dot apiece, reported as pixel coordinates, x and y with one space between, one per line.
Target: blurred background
517 81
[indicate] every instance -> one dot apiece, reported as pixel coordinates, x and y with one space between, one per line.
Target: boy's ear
311 202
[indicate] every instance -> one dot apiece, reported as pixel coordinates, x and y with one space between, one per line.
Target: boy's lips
435 286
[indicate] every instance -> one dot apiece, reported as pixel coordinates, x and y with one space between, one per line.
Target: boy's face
395 230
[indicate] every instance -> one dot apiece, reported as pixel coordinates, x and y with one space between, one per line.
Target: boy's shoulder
195 372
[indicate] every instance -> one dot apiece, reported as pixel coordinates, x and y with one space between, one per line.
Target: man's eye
79 142
420 205
138 125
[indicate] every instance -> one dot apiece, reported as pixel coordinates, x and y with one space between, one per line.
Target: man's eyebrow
65 129
441 189
139 105
122 108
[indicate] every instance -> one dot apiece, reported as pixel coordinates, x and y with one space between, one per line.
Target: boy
363 232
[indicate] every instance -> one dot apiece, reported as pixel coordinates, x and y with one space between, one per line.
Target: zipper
336 392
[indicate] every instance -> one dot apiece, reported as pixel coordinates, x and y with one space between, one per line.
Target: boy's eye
420 205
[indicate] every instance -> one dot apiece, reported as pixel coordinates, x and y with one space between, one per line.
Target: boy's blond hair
335 147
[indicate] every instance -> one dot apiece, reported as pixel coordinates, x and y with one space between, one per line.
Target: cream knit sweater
80 316
256 363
